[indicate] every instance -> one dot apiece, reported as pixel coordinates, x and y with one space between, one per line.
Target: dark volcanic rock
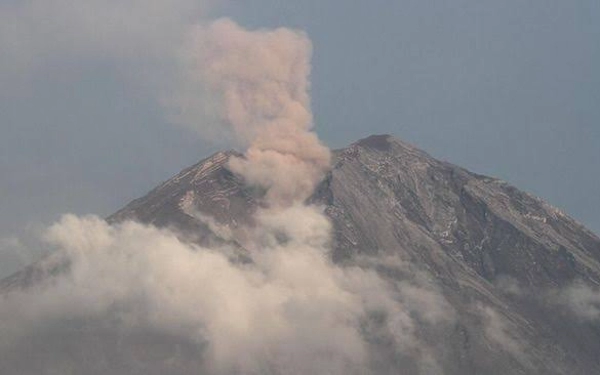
495 253
398 197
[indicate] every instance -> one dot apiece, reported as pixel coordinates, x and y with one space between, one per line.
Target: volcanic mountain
505 262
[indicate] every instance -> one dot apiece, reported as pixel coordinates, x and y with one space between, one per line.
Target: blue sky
509 89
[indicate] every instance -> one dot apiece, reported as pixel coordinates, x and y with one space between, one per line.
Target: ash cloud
258 83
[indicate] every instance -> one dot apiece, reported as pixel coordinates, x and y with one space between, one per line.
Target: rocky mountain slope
502 261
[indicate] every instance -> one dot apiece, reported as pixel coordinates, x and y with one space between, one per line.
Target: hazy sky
505 88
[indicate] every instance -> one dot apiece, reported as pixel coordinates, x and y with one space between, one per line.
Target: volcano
505 261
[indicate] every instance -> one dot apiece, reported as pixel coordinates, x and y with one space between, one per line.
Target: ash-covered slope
483 269
392 195
204 187
498 255
385 195
484 242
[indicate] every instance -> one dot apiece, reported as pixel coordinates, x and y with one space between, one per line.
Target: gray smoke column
258 84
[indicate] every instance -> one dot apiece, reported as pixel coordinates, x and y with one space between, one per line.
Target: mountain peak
380 142
385 144
492 251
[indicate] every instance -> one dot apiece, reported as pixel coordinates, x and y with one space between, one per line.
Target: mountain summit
497 254
493 279
384 195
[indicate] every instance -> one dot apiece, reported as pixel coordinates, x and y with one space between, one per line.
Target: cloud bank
289 311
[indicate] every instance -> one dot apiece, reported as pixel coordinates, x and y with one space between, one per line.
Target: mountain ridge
450 222
496 255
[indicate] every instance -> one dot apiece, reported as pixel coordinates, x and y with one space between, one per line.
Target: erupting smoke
258 81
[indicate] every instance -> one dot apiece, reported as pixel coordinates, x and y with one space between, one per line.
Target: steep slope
494 252
206 185
490 226
483 241
495 256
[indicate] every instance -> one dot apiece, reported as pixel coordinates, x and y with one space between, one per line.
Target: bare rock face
496 255
207 186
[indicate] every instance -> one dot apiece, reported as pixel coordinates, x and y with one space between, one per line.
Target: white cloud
582 300
503 333
290 310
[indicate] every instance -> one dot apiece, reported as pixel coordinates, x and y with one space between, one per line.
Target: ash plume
258 83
